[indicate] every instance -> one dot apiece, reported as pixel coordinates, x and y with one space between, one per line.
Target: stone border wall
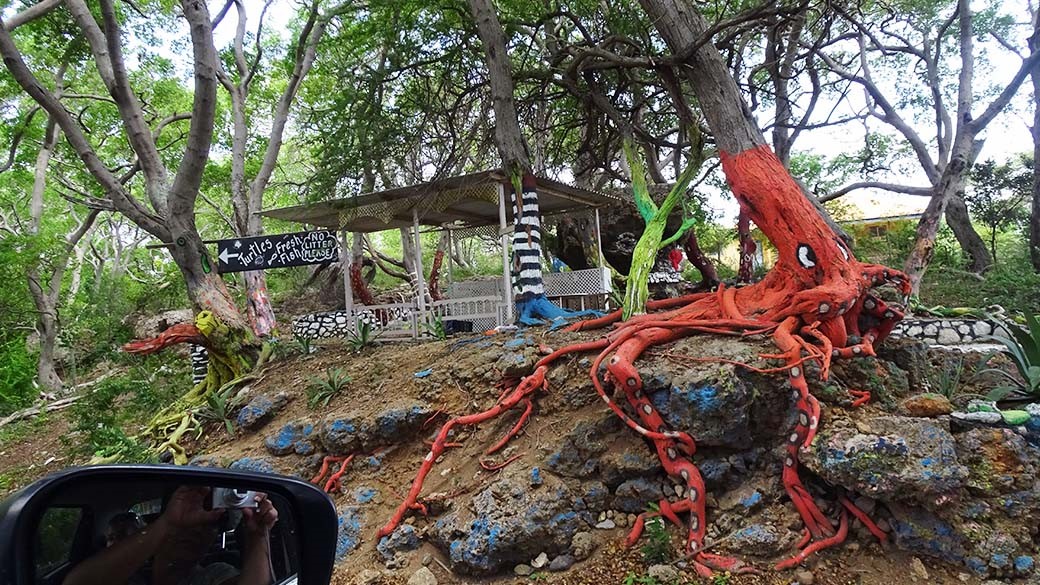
950 331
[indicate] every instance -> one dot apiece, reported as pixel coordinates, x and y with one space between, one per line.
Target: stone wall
950 331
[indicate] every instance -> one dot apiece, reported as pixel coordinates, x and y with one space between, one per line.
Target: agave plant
1023 347
363 335
323 390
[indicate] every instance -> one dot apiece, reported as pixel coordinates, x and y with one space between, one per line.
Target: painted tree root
332 483
229 364
817 303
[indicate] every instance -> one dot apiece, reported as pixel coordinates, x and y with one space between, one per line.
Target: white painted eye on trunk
842 249
806 256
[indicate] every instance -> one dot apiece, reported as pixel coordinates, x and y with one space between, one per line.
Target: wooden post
507 281
599 241
420 280
451 250
345 260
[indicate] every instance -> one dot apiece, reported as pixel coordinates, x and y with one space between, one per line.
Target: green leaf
1000 393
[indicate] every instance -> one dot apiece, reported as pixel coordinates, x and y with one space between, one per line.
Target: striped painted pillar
532 306
527 243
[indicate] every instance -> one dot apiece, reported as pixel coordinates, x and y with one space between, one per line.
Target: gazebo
465 205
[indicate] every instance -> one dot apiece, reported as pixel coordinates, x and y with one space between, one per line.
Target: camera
231 498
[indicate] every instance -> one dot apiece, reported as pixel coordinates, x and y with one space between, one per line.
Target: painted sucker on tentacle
816 302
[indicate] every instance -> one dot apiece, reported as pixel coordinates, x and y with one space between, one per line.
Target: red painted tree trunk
700 261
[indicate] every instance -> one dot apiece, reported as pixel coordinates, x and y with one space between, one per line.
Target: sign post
277 251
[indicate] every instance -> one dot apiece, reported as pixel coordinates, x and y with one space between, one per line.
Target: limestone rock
402 539
260 409
508 523
634 495
253 464
927 405
561 563
663 573
762 540
424 576
583 545
896 457
345 435
292 437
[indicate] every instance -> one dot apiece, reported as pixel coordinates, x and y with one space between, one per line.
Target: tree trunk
435 267
960 222
528 290
575 243
47 329
954 180
746 269
1034 212
700 261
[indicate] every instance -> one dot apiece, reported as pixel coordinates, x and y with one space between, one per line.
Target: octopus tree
818 303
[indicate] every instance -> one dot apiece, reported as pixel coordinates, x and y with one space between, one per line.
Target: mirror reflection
96 533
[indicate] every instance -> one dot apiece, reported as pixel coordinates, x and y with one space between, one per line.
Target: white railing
391 321
578 285
480 313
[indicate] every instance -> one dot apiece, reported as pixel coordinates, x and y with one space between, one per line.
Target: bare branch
220 212
1002 100
220 15
186 184
17 138
30 14
893 187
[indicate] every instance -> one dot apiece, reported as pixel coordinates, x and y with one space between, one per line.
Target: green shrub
658 546
106 419
17 371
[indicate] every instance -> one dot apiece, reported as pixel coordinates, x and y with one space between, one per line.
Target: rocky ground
958 495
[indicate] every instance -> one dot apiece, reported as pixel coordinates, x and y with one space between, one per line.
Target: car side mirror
163 524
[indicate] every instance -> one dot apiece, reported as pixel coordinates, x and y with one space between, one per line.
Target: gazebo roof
463 201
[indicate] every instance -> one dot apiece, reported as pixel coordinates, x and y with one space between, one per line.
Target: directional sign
277 251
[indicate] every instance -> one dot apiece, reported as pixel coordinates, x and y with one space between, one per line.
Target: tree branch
17 138
185 188
30 14
893 187
74 135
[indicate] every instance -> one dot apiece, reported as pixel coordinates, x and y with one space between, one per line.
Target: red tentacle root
179 333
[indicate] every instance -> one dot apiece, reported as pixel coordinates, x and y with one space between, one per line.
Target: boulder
999 461
583 545
348 536
577 455
910 459
402 539
253 464
346 435
295 437
260 409
761 540
506 524
927 405
634 495
919 531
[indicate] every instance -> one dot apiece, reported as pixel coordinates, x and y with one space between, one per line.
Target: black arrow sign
277 251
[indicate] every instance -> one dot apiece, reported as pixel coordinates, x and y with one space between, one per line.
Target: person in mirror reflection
176 542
